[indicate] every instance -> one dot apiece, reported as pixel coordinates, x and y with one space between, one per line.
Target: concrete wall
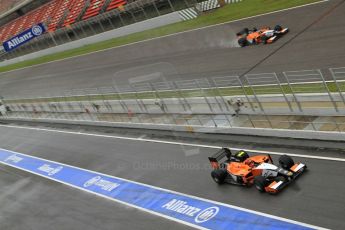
122 31
297 134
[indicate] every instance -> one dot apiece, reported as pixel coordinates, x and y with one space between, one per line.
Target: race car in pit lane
242 169
264 35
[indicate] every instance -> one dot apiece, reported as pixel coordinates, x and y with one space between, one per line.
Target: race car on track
264 35
242 169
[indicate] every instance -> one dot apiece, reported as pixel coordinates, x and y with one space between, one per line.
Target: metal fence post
53 107
160 87
204 95
254 94
245 93
163 105
124 104
70 114
106 104
156 8
77 94
207 101
336 124
282 90
333 73
171 6
140 102
292 91
181 96
328 91
221 96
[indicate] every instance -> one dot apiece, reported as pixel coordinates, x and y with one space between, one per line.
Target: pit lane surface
316 197
201 53
31 202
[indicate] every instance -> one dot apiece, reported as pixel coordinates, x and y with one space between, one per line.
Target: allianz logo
37 30
101 183
49 169
199 215
13 158
19 40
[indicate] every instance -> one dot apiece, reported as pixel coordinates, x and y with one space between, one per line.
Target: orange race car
259 170
264 35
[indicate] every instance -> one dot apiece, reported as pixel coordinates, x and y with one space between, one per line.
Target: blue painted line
190 210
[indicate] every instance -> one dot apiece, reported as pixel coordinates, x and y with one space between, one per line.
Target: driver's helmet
241 156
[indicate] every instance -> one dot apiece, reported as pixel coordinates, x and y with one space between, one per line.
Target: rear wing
218 156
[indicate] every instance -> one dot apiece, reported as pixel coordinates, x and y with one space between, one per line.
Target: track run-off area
147 168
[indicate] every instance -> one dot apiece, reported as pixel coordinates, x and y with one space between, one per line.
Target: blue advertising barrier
190 210
24 37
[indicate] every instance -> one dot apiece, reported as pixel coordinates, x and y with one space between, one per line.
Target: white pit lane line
178 143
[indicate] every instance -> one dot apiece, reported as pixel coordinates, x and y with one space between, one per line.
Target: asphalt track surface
315 41
31 202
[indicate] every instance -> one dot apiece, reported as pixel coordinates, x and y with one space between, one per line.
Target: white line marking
174 34
177 143
158 188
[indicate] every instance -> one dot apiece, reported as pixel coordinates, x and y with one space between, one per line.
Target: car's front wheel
278 28
286 162
260 183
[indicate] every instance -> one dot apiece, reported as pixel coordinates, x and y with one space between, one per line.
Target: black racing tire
264 39
286 162
260 183
278 28
219 175
242 42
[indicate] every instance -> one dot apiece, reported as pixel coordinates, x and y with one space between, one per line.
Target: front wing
276 186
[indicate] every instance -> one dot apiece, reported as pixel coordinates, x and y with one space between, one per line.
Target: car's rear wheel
286 162
260 183
242 42
219 175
